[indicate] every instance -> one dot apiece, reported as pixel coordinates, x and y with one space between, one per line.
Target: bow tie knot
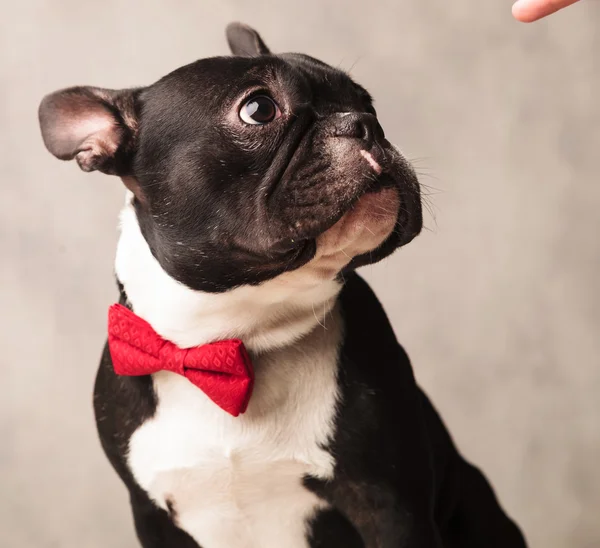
222 370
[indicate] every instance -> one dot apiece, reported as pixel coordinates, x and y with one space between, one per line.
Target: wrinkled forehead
220 81
332 89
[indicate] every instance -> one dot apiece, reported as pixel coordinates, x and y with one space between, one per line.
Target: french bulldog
252 393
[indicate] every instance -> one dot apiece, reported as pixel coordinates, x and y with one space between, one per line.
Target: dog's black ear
245 41
95 126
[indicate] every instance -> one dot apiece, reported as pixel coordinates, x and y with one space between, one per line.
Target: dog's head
245 167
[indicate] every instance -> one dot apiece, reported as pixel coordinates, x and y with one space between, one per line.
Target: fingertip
522 13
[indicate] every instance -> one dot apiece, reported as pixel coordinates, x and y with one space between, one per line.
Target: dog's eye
259 110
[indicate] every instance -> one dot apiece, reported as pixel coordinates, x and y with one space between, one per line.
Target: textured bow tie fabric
222 370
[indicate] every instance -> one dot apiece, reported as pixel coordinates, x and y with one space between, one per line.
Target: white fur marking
372 162
237 482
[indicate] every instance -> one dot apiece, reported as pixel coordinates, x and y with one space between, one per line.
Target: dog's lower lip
303 251
290 248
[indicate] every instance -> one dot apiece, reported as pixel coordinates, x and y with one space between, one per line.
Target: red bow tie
222 370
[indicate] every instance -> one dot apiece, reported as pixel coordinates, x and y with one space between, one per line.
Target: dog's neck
271 315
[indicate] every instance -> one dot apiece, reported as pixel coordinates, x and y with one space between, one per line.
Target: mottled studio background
498 304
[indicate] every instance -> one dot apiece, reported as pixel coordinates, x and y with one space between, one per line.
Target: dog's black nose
358 125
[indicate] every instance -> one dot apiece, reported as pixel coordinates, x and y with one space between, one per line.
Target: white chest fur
237 482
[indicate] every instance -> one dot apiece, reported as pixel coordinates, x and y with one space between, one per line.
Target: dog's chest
238 482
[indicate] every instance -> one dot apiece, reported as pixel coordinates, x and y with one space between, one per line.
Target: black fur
222 204
399 479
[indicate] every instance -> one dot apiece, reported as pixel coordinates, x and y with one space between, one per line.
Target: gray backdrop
498 304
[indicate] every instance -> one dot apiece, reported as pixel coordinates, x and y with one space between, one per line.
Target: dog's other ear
95 126
245 41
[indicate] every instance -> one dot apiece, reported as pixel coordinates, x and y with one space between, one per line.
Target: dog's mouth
371 227
361 235
369 218
364 227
